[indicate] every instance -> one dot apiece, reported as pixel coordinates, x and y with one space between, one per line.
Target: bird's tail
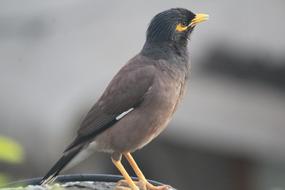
59 165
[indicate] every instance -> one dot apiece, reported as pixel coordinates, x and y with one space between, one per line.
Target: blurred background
56 58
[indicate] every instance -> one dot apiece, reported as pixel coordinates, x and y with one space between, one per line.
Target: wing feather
126 91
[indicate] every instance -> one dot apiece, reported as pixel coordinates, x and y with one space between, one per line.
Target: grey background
56 58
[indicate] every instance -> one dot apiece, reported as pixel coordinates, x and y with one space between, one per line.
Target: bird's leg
118 164
140 174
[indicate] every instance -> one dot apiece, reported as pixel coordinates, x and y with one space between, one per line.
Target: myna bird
140 100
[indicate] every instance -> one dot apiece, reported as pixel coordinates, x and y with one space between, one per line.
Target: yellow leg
121 168
140 174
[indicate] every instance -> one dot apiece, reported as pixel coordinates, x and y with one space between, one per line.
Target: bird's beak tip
200 17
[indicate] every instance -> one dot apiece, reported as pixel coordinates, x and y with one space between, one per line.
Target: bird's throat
166 50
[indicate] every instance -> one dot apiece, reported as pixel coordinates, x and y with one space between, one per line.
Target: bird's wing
124 93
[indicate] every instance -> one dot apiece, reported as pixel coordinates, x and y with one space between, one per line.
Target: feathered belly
162 113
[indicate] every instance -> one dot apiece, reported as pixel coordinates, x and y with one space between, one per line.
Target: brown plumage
140 100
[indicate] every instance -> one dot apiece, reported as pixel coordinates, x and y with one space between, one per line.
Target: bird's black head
173 25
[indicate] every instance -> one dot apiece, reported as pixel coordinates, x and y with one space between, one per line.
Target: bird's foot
123 185
142 185
161 187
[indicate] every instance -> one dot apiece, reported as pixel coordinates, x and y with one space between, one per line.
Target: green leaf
3 179
10 151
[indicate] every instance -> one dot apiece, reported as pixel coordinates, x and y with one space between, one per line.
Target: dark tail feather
60 164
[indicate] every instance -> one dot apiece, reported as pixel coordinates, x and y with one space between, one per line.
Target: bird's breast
162 100
166 89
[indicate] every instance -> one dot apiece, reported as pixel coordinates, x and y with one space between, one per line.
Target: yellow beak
199 18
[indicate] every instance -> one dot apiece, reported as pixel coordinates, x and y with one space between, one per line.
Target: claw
124 185
142 185
161 187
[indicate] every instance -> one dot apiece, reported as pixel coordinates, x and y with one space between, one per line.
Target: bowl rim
74 177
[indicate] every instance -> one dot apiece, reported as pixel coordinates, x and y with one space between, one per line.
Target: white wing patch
124 114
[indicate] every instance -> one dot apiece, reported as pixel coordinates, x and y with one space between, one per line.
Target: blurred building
56 58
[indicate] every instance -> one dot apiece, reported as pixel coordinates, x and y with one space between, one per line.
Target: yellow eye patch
198 18
180 27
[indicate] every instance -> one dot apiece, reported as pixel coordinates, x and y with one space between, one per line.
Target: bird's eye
184 23
181 27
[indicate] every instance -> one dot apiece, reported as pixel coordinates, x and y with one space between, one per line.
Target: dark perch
77 182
